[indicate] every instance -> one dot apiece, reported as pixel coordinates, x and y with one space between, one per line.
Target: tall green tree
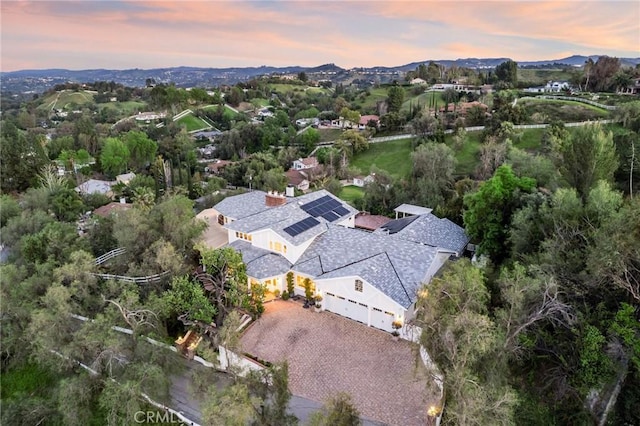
142 150
488 211
508 72
395 98
588 156
114 156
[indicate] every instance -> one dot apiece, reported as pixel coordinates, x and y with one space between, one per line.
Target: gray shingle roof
243 205
431 230
261 263
396 268
278 218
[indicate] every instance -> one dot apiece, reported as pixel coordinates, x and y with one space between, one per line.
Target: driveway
328 353
215 235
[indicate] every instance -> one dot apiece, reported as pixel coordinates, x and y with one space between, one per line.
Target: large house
371 277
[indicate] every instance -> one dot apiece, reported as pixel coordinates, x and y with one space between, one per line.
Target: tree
465 344
302 76
114 156
355 140
338 411
142 150
433 167
22 158
587 156
488 211
395 98
508 72
226 282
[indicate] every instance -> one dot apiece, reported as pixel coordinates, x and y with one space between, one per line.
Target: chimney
273 199
290 191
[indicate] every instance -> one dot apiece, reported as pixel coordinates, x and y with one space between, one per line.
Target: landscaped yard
393 157
351 193
546 110
193 123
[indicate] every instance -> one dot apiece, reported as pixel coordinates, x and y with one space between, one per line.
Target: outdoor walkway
328 354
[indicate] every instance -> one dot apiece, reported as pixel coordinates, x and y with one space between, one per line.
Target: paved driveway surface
328 353
215 235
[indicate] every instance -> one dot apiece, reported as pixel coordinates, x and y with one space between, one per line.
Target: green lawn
191 122
125 108
541 77
423 100
530 139
351 193
467 157
327 135
546 110
66 100
393 157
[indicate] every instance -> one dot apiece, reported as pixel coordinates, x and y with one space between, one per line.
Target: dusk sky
139 34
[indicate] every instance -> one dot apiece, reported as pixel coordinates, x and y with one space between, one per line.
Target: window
243 236
353 301
362 304
330 294
377 310
277 246
389 313
359 285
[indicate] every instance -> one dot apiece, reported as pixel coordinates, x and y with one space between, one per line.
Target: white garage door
346 307
381 319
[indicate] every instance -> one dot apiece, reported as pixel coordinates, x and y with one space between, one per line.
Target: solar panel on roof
300 227
341 211
330 216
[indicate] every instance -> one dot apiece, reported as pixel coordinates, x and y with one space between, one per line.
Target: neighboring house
371 277
556 86
112 209
125 178
298 179
217 166
632 89
209 135
361 181
366 119
305 163
418 81
94 186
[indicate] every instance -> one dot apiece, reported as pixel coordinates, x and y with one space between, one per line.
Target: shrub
285 295
290 283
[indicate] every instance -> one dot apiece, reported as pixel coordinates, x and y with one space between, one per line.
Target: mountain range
41 80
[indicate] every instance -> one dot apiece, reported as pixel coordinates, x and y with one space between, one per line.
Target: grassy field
545 110
423 100
351 193
191 122
327 135
393 157
467 156
541 77
66 100
125 108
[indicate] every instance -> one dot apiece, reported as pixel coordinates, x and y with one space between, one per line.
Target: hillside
40 80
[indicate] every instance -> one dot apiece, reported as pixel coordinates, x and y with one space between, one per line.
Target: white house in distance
371 277
305 163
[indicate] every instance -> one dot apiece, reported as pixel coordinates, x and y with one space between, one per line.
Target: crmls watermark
164 417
